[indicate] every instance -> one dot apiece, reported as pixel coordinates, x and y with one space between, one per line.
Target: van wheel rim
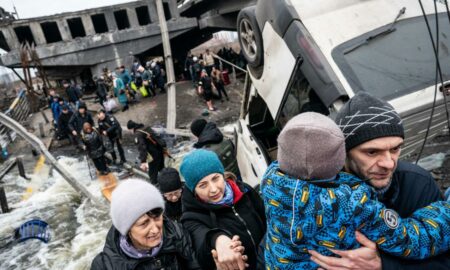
248 41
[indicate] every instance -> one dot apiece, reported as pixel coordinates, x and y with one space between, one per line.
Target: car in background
314 55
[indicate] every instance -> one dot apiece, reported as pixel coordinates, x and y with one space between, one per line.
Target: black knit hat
364 118
133 125
82 105
197 126
169 180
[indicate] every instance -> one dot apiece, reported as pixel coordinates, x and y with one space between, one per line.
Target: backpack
226 153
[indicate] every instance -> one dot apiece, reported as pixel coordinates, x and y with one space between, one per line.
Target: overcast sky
36 8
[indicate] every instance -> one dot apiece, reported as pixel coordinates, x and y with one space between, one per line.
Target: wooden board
109 183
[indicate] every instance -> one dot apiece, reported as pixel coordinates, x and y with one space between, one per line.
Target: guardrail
233 66
19 110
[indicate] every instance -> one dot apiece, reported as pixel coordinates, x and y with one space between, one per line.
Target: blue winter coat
125 76
121 95
56 110
302 216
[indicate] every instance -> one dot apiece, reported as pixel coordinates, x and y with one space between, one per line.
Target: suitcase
226 77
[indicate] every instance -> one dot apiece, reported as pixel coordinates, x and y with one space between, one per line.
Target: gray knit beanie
311 146
364 118
130 200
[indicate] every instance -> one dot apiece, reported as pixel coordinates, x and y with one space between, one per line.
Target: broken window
167 11
99 22
76 27
51 32
3 43
142 15
121 19
24 34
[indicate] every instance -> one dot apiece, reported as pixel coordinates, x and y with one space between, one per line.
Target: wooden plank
109 183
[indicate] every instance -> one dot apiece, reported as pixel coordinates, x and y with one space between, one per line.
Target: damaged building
77 45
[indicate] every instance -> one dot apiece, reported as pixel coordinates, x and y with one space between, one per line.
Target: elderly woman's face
211 188
147 231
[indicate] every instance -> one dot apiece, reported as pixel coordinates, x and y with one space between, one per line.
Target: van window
263 127
300 98
398 62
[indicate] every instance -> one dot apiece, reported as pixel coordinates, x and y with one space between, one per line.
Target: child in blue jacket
310 205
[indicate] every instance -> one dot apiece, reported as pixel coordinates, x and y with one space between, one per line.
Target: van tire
250 38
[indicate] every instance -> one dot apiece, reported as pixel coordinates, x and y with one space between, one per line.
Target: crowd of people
337 198
207 76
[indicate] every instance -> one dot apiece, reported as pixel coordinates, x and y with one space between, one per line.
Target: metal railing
233 66
19 110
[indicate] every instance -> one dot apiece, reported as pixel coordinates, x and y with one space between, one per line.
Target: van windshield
396 63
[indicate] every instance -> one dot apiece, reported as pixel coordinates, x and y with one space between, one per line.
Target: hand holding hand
144 166
225 257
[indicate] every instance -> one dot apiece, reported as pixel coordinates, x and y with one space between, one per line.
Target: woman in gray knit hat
141 236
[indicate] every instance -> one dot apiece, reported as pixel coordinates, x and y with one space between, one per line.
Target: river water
78 228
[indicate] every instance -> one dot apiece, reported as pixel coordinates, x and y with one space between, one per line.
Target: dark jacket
210 135
77 120
146 146
102 89
94 144
206 84
111 126
63 122
205 222
73 94
176 253
412 188
173 210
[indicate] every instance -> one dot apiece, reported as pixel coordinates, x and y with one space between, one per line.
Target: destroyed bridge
81 43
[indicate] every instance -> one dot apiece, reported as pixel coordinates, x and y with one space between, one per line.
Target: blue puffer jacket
302 216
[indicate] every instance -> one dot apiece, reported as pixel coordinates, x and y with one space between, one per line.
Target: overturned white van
314 55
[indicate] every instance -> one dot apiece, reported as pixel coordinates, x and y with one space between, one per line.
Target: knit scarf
228 196
135 253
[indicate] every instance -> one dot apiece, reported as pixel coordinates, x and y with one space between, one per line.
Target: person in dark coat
110 127
171 187
73 94
102 90
64 131
158 77
217 77
77 121
221 215
401 186
93 144
205 87
188 66
141 237
151 149
211 138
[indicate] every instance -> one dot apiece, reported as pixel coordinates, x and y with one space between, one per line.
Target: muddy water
78 228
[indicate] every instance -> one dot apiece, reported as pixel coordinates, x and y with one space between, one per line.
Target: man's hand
74 133
365 257
105 133
144 166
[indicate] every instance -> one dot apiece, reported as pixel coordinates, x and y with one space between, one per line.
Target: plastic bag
110 104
